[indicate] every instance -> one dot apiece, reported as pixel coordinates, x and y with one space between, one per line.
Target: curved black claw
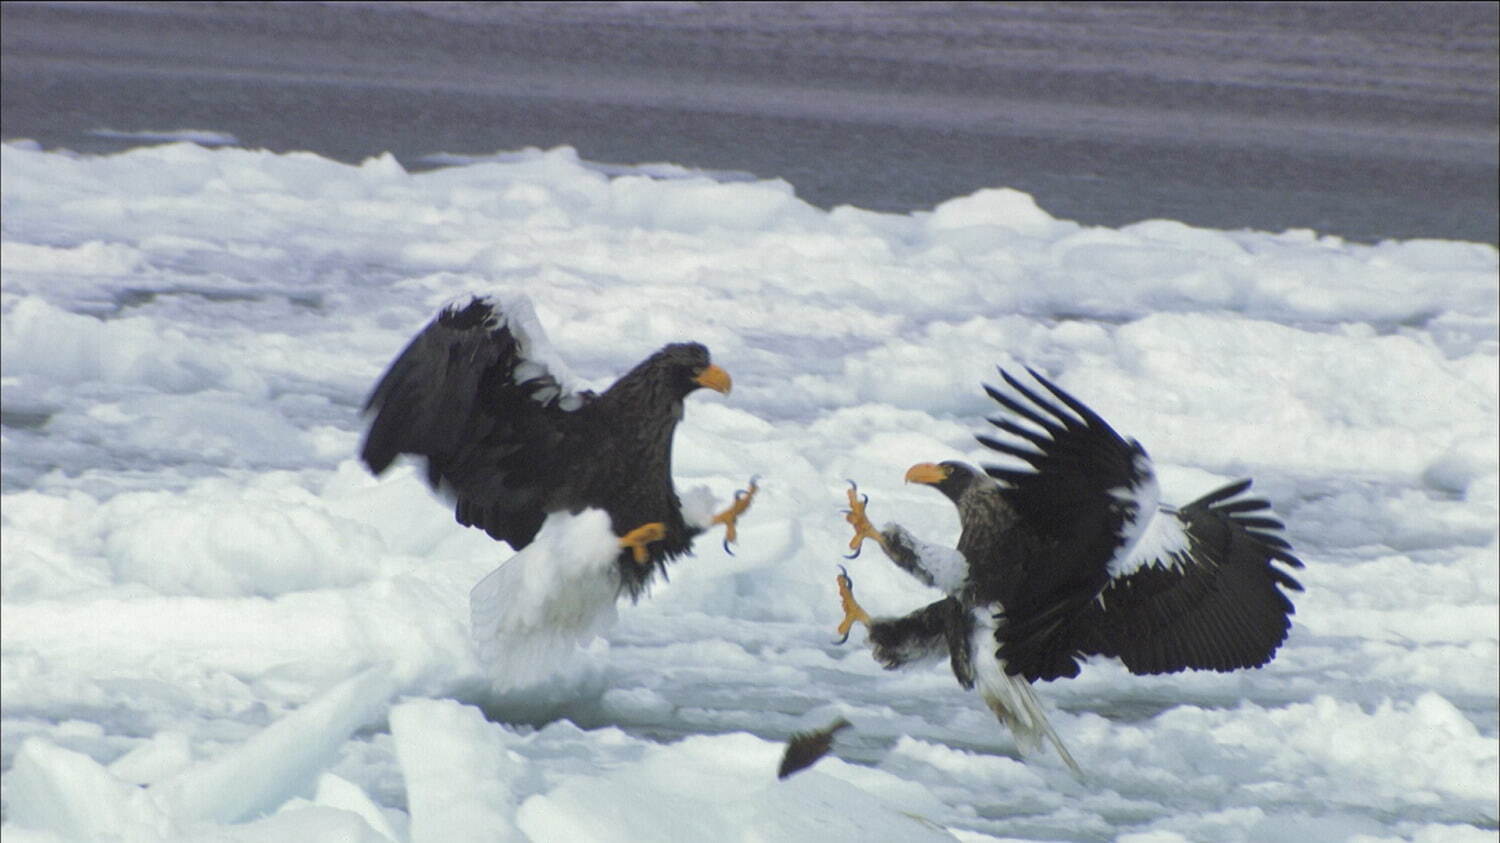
864 499
849 584
726 548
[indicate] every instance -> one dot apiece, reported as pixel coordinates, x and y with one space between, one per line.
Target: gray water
1362 120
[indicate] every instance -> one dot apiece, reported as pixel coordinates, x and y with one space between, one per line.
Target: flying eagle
1075 556
481 396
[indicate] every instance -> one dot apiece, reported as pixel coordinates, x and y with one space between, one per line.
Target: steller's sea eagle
1075 556
481 396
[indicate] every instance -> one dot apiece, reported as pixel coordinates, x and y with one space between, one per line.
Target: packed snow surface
218 625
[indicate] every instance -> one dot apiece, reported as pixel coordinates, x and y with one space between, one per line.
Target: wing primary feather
1246 505
1030 456
1272 540
1010 476
1083 411
1022 410
1014 429
1069 421
1229 491
1259 523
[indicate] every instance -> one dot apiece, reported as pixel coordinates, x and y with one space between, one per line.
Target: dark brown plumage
805 748
1091 563
1074 556
474 396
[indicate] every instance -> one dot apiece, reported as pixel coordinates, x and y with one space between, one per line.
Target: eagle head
687 367
949 477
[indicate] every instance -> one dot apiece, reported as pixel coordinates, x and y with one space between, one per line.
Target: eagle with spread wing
1075 556
482 398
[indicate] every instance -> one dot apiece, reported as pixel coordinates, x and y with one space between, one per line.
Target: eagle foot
855 515
852 610
641 536
730 516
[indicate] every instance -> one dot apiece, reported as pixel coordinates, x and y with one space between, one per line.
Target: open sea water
1364 120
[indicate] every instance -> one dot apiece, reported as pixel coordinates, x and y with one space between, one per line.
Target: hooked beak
714 378
927 472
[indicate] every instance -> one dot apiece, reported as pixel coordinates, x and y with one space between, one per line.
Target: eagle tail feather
1013 700
1021 712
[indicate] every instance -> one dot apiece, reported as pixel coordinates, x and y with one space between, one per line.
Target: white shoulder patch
1140 500
539 358
1163 542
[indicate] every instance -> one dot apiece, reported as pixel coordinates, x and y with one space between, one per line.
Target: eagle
1072 556
578 483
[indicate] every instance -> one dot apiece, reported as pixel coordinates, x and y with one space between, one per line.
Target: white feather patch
1163 542
1143 496
1011 698
945 565
528 616
538 356
699 506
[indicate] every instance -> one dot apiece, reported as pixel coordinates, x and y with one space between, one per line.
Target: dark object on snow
805 748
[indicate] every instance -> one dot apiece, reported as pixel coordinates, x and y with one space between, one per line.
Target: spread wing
1078 511
477 394
1200 590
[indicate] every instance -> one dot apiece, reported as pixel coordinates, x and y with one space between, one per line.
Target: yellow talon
731 515
852 610
863 529
641 536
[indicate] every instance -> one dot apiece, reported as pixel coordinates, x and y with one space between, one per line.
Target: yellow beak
714 378
926 472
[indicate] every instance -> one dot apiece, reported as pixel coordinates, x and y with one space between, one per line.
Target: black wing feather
498 443
472 395
1020 409
1069 525
1037 439
1220 607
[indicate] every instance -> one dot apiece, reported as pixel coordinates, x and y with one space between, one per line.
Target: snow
457 771
68 792
217 625
202 137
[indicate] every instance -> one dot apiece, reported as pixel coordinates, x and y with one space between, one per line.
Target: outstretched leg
730 516
930 564
863 529
852 610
